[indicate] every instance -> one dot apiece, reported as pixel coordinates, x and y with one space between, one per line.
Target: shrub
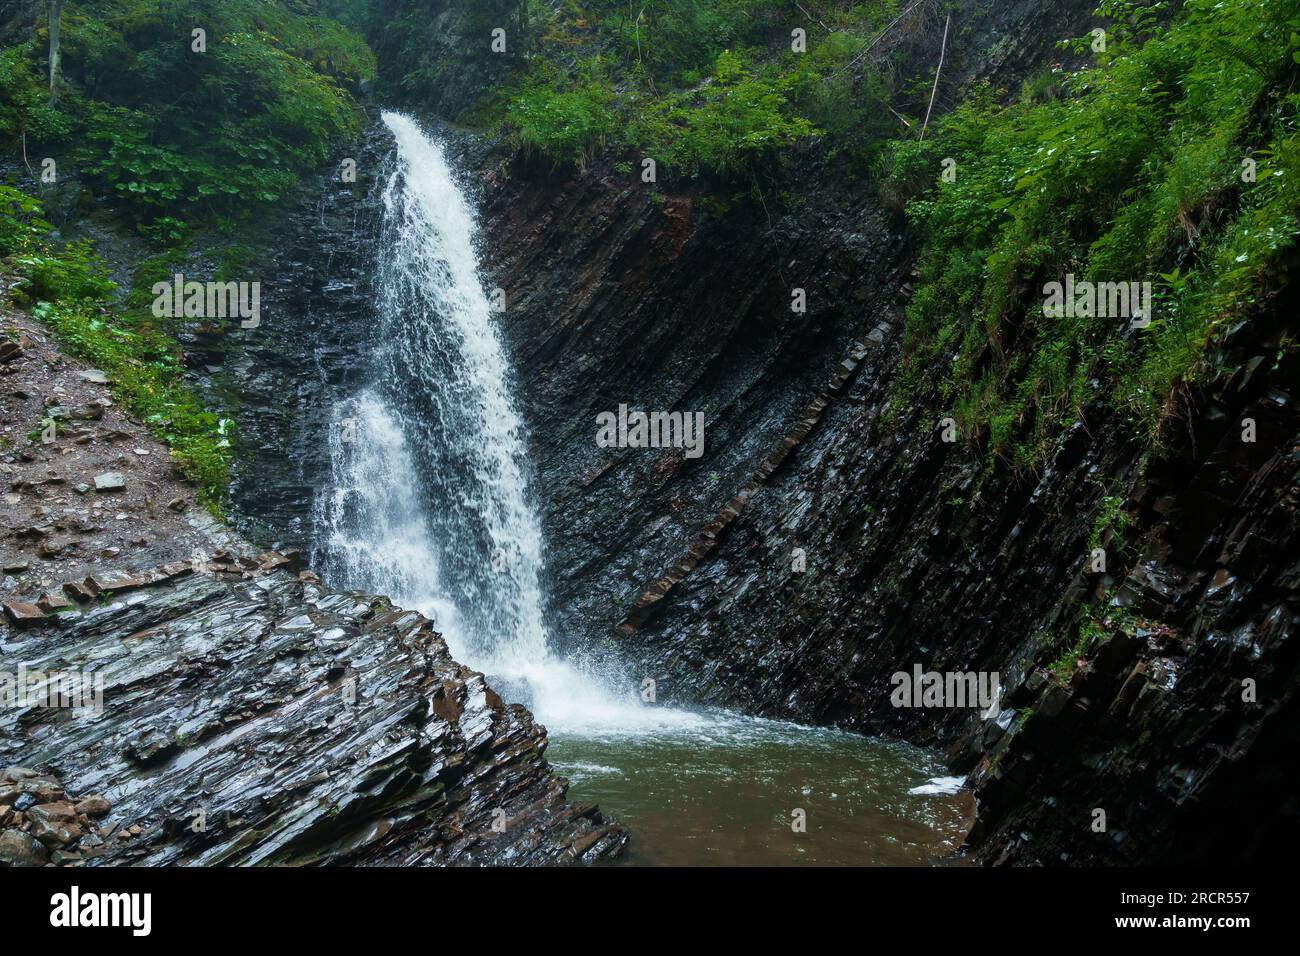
1108 179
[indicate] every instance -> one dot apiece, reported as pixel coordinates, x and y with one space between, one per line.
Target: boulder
21 849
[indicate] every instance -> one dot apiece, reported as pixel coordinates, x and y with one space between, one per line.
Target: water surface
723 793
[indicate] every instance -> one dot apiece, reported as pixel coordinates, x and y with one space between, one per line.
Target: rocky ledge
239 712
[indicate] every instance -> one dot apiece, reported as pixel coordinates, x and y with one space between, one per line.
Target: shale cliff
827 539
819 546
1179 714
248 715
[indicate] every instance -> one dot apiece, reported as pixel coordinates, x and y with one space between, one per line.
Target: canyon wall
669 299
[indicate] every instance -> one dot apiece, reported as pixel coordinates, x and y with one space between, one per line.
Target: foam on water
938 785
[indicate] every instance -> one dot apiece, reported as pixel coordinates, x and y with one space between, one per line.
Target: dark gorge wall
916 553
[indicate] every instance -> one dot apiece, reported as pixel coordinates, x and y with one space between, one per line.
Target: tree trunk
56 16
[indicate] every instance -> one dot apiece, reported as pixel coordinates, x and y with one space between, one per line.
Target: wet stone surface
251 716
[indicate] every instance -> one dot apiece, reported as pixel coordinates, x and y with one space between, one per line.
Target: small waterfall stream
429 504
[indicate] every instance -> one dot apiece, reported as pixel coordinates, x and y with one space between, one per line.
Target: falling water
429 500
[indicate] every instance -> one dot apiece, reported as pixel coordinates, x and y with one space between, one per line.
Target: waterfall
429 500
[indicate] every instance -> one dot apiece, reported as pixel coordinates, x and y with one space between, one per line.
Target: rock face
280 380
250 716
913 554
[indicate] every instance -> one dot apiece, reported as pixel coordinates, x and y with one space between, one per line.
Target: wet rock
25 792
115 582
55 834
60 812
23 615
21 849
93 805
359 740
109 481
54 824
53 603
78 592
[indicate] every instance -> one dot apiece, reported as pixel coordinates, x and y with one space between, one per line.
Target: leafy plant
170 133
1131 172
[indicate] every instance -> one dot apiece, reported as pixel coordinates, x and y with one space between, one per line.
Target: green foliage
21 228
72 296
169 133
700 86
1099 622
1110 524
70 273
1121 171
567 125
25 109
720 127
438 53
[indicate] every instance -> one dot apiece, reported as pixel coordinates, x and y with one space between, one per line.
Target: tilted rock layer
252 716
1179 724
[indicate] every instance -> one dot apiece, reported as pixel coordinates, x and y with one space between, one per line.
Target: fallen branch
811 17
901 118
867 49
943 48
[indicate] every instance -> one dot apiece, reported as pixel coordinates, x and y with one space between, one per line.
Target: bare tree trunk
56 17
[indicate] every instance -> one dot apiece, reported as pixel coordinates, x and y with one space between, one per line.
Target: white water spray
429 503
